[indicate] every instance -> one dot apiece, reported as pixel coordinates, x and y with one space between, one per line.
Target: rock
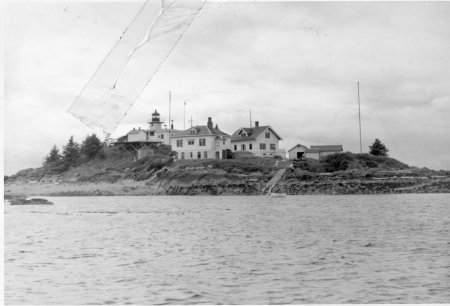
32 201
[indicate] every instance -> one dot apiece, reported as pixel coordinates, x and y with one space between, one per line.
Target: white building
298 151
314 152
327 150
155 133
201 142
259 140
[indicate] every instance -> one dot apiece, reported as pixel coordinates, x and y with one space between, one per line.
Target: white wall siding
139 136
213 145
256 148
298 149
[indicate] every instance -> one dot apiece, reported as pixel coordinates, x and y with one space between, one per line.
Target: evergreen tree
378 148
53 156
71 151
91 146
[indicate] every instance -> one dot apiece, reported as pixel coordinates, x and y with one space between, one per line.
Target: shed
298 151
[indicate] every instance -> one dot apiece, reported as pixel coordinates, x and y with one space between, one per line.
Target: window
235 147
192 131
250 146
224 141
191 155
202 142
180 143
199 154
262 146
244 134
273 146
267 134
182 155
243 147
191 142
152 133
161 136
205 154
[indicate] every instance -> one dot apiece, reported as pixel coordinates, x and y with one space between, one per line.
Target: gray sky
295 64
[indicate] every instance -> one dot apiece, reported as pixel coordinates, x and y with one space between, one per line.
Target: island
117 172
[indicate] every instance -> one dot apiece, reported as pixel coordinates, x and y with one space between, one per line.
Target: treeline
74 154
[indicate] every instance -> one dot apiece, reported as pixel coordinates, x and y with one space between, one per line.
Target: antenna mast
359 117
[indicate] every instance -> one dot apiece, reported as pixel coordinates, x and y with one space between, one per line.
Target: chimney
210 124
256 123
217 127
171 126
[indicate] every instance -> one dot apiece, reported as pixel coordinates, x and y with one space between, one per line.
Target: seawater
229 250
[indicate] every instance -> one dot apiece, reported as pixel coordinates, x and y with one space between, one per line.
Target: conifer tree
71 151
91 146
378 148
53 156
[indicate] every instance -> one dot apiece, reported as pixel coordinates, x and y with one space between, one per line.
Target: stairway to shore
274 181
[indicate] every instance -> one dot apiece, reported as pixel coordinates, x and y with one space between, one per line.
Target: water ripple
229 250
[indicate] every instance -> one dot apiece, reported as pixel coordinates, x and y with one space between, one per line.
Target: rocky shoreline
118 175
213 183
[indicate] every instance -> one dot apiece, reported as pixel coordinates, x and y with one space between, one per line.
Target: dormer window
192 131
243 134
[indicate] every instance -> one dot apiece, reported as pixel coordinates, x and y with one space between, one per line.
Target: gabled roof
252 133
298 145
200 130
328 148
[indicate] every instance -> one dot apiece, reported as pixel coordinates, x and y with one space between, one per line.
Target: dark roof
311 150
328 148
252 133
298 145
200 130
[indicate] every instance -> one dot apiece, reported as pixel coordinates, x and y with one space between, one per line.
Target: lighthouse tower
155 123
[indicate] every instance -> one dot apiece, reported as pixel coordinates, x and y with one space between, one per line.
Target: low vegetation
350 162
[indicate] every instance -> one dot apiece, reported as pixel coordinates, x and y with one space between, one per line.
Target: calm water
232 250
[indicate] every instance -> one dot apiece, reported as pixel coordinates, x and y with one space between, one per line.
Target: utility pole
184 116
170 121
359 117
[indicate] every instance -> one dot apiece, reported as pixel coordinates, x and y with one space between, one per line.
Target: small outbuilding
314 152
327 150
297 151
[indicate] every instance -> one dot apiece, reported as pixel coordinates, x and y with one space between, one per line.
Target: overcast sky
295 64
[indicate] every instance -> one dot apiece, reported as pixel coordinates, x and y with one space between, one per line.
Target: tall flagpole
359 117
184 116
170 121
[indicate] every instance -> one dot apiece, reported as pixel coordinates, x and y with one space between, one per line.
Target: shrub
338 162
383 162
311 165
